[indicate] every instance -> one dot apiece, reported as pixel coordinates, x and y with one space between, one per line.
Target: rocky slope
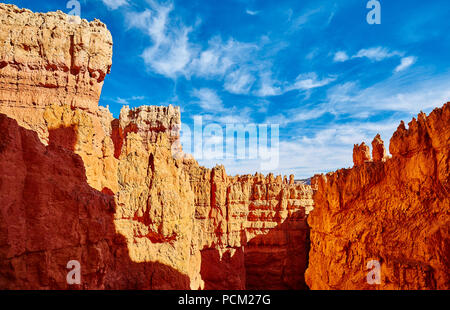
77 184
392 210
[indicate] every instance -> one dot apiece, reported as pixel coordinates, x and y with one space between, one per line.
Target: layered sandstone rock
254 225
45 60
394 211
49 216
148 121
78 184
52 70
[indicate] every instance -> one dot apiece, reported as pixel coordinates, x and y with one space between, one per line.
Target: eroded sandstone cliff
391 210
118 195
46 59
77 184
251 230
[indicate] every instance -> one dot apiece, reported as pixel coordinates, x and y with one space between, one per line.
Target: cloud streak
406 62
250 12
376 53
208 100
340 56
114 4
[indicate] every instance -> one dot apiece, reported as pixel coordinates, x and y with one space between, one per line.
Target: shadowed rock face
118 194
393 210
254 225
279 259
49 216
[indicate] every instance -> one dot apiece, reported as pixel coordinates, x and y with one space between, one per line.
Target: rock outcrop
45 59
378 149
77 184
393 211
49 216
361 154
254 225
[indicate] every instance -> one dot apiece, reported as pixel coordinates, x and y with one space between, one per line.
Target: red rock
394 211
361 154
378 149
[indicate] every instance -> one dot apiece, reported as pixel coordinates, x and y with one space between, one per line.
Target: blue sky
316 68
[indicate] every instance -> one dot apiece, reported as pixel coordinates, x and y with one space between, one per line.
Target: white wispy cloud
127 101
170 57
405 63
251 12
211 62
122 101
303 82
296 115
114 4
309 81
236 64
340 56
239 81
377 53
312 54
329 146
236 117
170 51
304 18
222 57
268 86
401 94
267 89
208 99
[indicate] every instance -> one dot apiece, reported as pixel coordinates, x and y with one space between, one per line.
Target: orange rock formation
77 184
394 211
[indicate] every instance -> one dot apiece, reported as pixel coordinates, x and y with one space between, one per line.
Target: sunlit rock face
77 184
47 60
391 210
51 75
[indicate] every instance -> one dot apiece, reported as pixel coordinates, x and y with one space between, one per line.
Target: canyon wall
251 230
114 194
50 216
391 210
120 196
